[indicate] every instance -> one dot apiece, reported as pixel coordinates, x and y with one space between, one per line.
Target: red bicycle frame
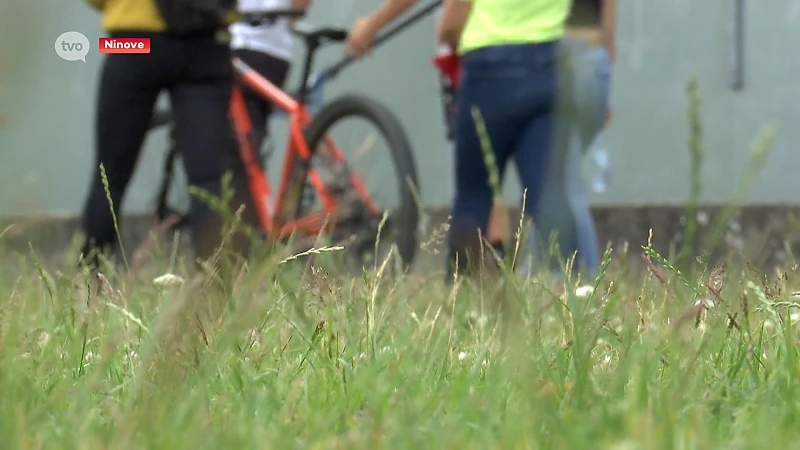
269 208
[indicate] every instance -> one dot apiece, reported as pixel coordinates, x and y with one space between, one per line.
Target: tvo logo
72 46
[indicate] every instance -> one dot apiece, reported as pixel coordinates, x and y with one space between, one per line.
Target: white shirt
274 39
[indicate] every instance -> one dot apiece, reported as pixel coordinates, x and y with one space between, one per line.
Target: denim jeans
563 206
514 89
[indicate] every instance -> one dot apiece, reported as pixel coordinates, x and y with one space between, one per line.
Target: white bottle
600 167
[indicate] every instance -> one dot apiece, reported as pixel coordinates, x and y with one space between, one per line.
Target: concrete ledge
766 234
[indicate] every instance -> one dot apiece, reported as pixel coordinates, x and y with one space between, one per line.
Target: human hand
361 37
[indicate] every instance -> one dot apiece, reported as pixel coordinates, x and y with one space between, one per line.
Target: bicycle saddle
317 35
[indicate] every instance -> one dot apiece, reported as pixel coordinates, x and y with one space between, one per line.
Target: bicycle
349 211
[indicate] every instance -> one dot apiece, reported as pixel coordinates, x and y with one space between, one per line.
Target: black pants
273 69
198 75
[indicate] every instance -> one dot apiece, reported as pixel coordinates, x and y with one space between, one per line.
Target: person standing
361 37
190 58
564 207
508 94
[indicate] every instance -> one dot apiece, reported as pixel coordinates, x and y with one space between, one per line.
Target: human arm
364 29
451 23
608 26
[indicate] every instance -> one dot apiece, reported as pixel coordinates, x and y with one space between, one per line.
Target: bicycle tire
356 105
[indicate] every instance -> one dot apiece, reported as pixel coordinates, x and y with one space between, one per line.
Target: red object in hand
449 64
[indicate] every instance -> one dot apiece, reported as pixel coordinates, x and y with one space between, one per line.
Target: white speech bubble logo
72 46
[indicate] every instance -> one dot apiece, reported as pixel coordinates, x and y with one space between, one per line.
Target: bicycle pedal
181 222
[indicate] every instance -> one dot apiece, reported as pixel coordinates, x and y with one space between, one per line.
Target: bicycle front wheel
356 165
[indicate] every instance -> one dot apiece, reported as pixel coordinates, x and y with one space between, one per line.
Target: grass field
295 358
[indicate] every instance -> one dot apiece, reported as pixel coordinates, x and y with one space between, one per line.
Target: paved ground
767 234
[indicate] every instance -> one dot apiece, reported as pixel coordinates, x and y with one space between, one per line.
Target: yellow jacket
134 15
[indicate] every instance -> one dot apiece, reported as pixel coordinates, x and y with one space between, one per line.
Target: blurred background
46 104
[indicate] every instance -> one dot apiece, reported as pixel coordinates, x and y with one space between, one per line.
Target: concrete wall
662 44
45 146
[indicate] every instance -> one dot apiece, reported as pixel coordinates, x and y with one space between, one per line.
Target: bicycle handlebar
335 68
330 34
256 18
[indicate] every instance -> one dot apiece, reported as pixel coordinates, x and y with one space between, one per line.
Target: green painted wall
45 146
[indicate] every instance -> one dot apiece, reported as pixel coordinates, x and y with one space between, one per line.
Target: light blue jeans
563 207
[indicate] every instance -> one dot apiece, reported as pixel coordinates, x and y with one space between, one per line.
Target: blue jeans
514 89
563 207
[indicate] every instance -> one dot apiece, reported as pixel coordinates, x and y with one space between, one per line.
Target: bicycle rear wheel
334 158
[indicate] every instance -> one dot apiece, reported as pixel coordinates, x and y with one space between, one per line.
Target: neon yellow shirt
501 22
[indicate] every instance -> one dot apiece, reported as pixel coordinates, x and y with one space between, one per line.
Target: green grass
307 359
286 356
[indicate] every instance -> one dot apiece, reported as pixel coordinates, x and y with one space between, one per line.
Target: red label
124 45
